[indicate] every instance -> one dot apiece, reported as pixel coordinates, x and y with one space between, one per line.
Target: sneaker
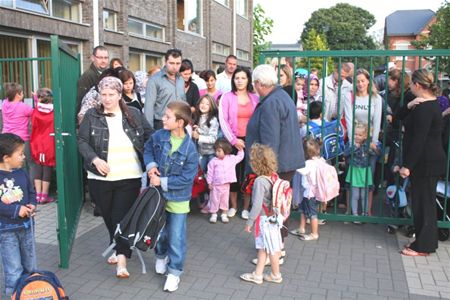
224 218
244 214
267 263
161 265
213 218
252 277
270 277
48 200
231 212
172 282
309 237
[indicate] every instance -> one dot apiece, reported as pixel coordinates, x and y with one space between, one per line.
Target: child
314 120
205 129
221 172
171 160
309 206
17 205
42 145
267 228
359 169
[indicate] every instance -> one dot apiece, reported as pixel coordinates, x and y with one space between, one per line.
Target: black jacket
86 81
93 136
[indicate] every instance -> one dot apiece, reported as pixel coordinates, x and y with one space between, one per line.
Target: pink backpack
327 182
281 196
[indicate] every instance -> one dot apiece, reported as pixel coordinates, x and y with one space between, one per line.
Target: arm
377 118
148 129
150 100
348 114
260 188
270 124
211 169
86 150
149 156
210 136
224 117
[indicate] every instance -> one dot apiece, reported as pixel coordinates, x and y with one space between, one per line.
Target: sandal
122 272
112 260
309 237
252 277
297 232
272 278
409 252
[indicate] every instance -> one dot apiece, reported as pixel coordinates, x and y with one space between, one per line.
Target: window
401 46
109 20
145 29
143 61
220 49
189 17
224 2
241 7
64 9
241 54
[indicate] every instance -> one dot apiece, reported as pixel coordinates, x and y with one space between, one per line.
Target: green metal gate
59 72
325 61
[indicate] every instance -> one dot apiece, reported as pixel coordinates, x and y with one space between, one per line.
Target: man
223 82
165 86
100 62
332 86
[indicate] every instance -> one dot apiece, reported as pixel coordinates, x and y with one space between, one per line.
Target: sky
288 14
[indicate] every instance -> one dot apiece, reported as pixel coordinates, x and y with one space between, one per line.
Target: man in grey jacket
165 86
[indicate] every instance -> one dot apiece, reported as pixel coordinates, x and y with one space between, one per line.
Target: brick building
137 31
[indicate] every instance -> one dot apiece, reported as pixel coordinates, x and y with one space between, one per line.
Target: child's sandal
270 277
309 237
252 277
297 232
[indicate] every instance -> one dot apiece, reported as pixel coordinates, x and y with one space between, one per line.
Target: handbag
200 185
247 184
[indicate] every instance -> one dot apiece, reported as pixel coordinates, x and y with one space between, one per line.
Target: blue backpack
332 139
39 285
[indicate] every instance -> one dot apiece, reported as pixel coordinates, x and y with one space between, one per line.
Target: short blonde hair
263 160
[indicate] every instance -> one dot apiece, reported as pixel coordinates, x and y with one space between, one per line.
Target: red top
42 144
244 114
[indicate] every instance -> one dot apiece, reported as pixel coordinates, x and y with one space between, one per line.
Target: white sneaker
213 218
244 214
231 212
224 218
172 282
161 265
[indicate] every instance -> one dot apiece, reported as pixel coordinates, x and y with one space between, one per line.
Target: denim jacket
177 170
360 155
93 136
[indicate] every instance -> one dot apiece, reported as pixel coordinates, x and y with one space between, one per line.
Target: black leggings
40 172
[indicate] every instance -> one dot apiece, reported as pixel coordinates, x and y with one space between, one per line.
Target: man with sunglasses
100 62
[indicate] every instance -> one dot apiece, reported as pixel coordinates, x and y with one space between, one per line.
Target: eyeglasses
102 57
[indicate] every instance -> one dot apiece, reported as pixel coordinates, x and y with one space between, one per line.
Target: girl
42 145
171 160
129 94
210 79
309 205
221 172
205 129
358 152
267 228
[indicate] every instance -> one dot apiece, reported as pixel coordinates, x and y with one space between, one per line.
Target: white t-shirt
223 83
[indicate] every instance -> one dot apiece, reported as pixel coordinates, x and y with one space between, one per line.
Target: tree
262 27
345 27
318 42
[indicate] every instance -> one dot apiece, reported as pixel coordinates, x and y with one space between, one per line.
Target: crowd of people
160 127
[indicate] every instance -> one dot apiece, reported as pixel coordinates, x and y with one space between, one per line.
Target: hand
153 171
210 187
446 112
414 102
101 165
195 134
404 172
240 144
24 211
33 209
389 118
248 228
374 147
396 169
155 180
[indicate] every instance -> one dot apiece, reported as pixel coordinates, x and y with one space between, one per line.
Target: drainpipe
95 25
234 28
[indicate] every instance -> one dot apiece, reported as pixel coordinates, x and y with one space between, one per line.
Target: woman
235 110
190 88
286 82
114 162
311 94
366 103
130 95
423 160
116 63
210 79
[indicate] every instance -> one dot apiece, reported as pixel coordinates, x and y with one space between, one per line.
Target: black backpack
140 227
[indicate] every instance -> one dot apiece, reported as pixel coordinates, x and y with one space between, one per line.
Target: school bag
39 285
327 187
281 197
332 138
140 227
200 186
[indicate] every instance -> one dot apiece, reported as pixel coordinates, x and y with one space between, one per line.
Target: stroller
400 208
443 233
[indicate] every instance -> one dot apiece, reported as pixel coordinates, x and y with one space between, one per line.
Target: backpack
140 227
327 187
39 285
281 197
332 139
200 186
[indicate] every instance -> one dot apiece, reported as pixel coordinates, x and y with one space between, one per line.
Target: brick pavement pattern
347 262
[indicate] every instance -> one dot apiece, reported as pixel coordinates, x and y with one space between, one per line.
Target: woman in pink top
210 79
235 110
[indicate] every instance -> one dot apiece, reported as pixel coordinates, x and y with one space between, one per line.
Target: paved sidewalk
347 262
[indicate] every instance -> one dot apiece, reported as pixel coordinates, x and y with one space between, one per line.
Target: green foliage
262 27
315 42
345 27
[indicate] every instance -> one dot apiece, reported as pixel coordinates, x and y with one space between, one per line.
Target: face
101 59
362 83
413 88
204 106
283 78
219 153
313 87
241 81
169 120
110 99
360 136
186 74
230 65
173 65
116 64
128 86
299 83
16 159
211 83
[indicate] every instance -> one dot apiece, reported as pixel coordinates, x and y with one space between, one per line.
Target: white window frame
199 17
404 45
242 54
243 14
216 45
114 15
144 30
142 58
49 13
225 3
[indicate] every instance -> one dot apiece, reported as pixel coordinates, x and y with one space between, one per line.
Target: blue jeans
18 257
204 160
172 242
